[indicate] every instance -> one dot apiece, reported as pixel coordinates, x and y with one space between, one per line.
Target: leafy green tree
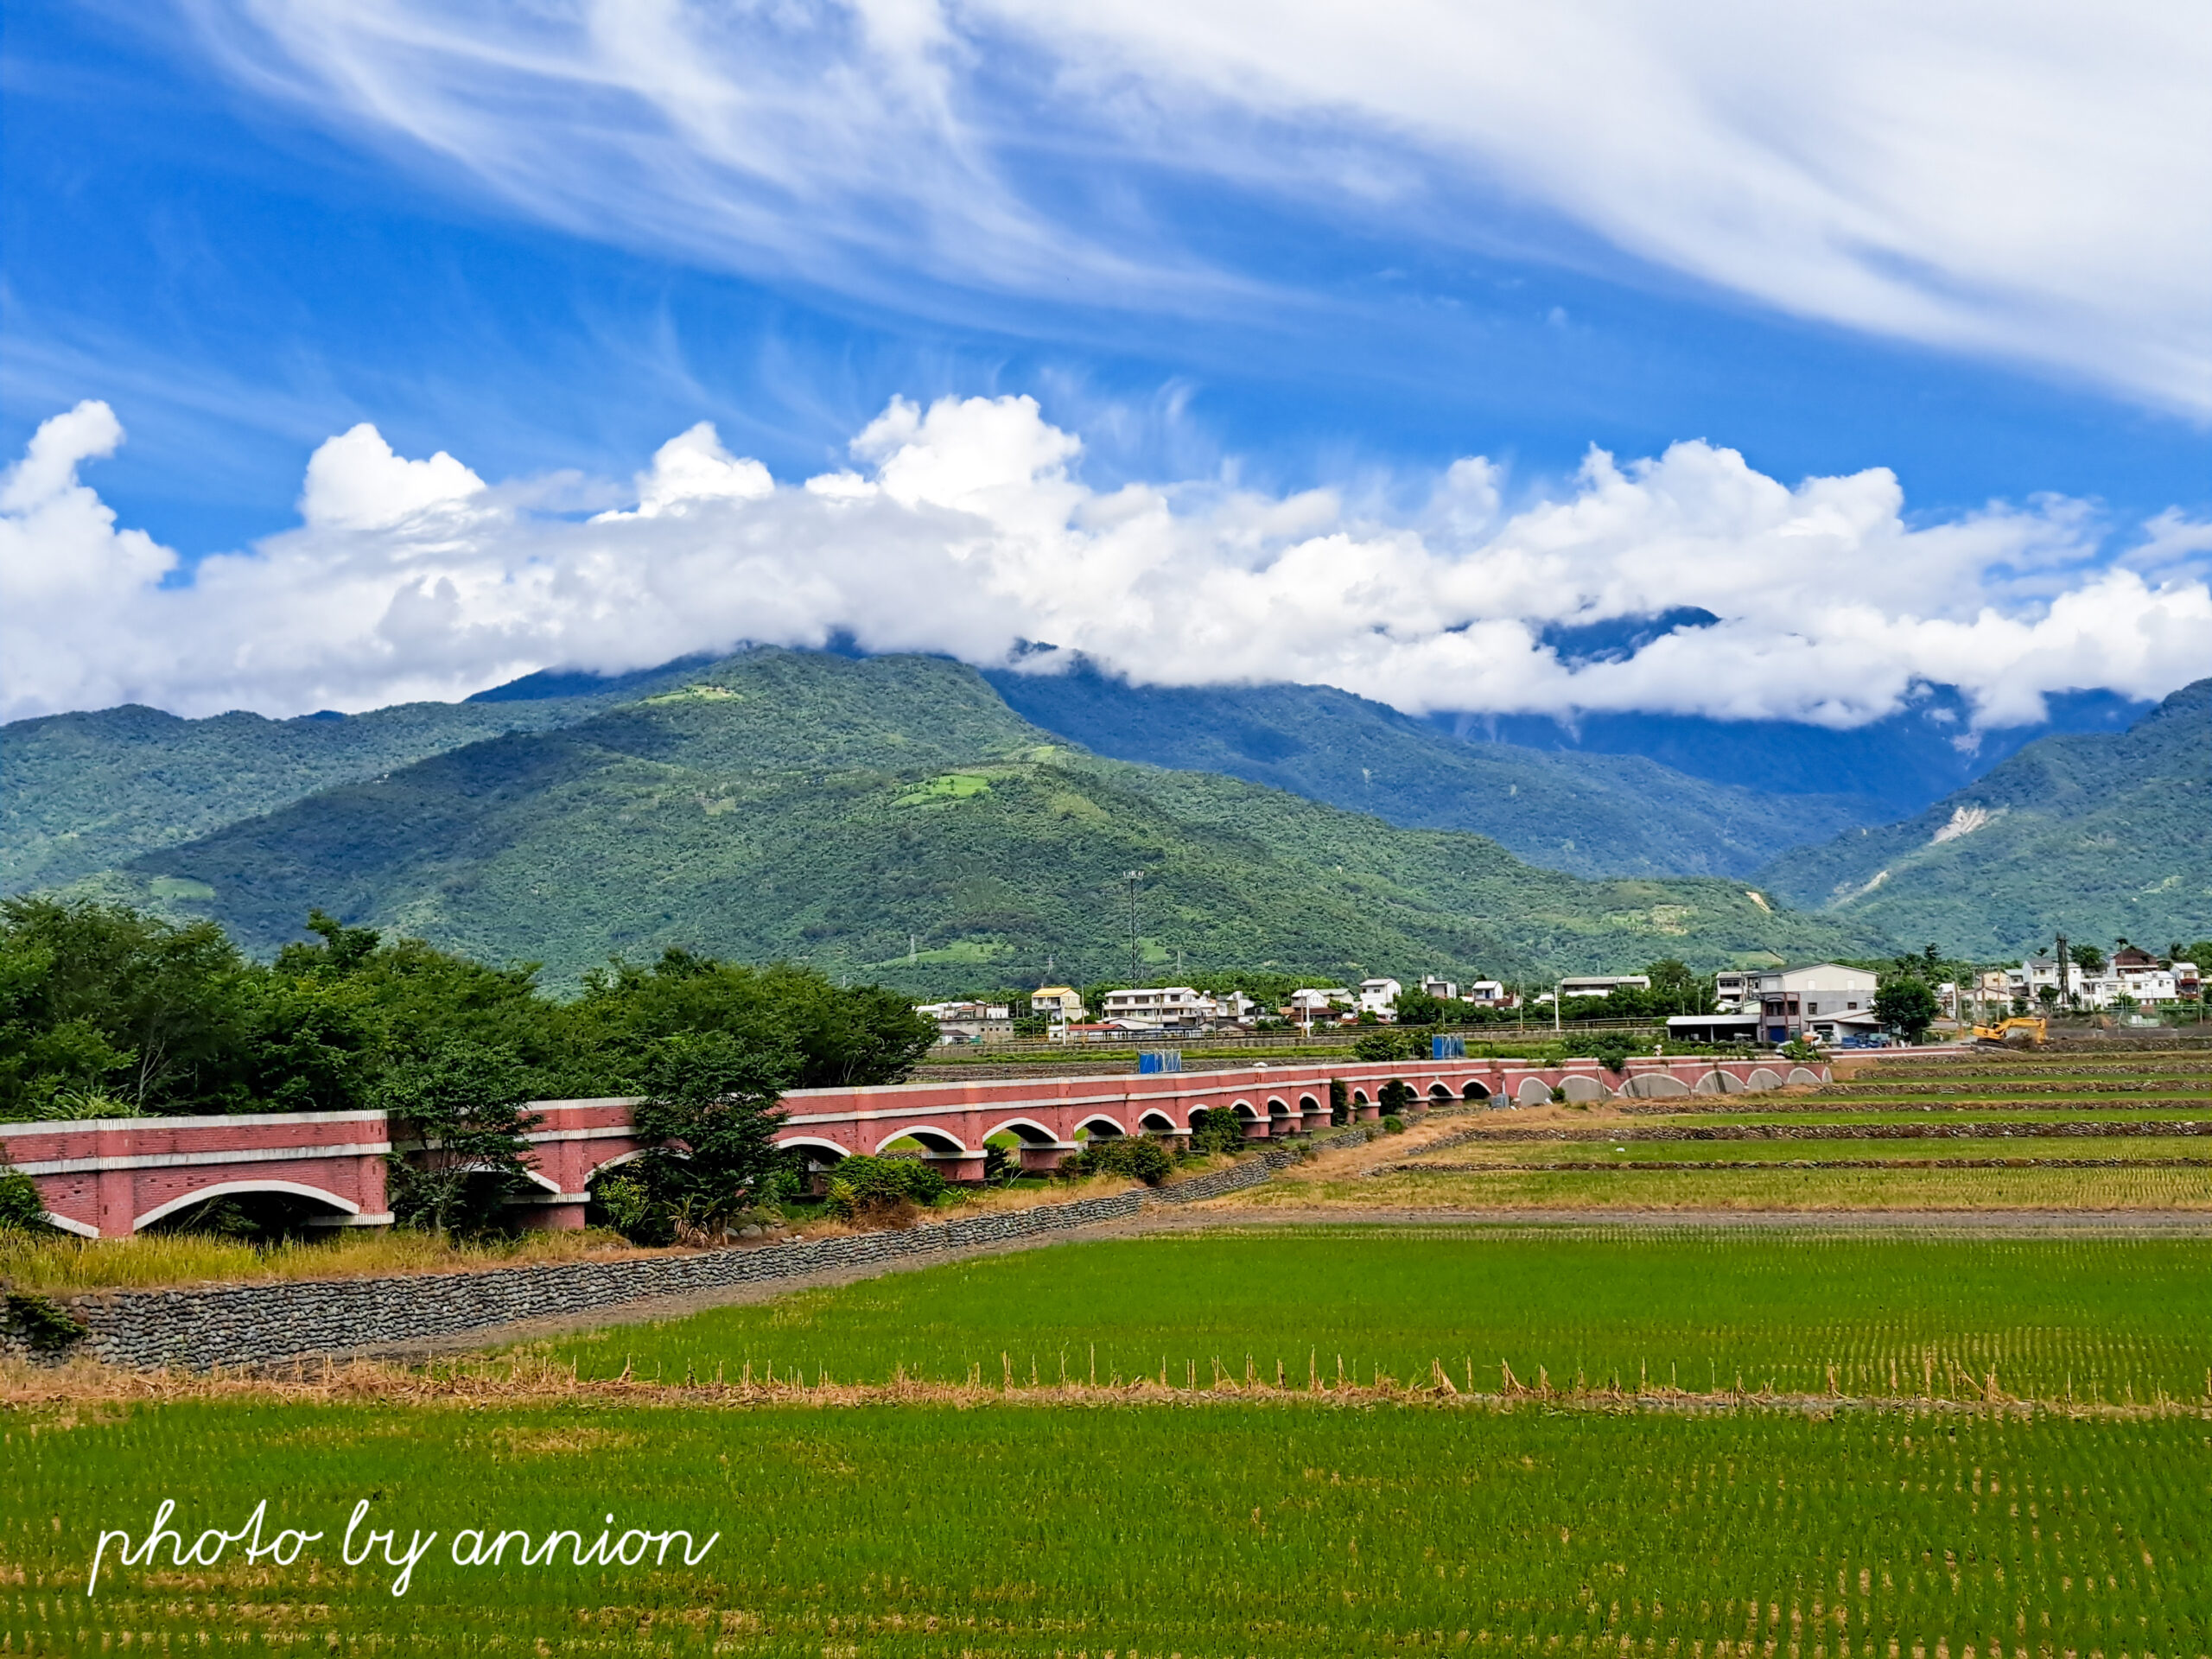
1216 1129
1419 1008
20 1206
462 1106
1905 1004
2088 958
828 1036
710 1115
100 995
410 996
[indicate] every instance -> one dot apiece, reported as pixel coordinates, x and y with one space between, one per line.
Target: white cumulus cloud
965 528
2026 178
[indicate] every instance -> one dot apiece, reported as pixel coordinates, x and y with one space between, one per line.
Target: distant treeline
107 1011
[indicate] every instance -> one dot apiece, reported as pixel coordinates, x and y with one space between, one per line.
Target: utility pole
2062 966
1133 877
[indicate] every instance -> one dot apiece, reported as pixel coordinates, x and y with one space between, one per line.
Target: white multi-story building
1379 997
2027 981
969 1022
1155 1005
1732 989
1313 1005
1490 994
1825 1001
1444 991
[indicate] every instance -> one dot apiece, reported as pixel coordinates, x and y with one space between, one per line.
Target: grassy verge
1211 1530
47 1262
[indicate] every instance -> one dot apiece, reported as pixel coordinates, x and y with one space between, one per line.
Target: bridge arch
933 1140
620 1158
1100 1127
1158 1122
1439 1091
227 1189
1474 1092
811 1145
1027 1130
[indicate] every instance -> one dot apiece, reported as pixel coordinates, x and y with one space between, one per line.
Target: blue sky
246 237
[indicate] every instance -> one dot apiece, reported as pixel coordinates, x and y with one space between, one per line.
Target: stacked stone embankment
201 1327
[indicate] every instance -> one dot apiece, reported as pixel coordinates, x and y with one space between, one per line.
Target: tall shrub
711 1110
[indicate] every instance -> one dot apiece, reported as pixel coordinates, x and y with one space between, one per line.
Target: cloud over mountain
965 529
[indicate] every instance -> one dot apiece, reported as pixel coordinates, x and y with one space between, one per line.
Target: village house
1312 1006
1379 997
1057 1002
969 1022
1156 1007
1824 1001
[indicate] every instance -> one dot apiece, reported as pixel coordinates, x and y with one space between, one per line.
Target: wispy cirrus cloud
965 528
2030 181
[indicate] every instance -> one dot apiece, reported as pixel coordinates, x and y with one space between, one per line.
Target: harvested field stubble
1861 1144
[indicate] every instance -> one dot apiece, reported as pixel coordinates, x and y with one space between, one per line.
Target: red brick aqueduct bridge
107 1177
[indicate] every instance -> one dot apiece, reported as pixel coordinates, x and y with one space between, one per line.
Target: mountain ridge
2098 835
811 807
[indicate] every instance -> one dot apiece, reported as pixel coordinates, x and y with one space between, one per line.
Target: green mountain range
894 818
81 792
1594 814
2099 836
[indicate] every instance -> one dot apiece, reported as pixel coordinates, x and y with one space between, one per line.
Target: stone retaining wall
201 1327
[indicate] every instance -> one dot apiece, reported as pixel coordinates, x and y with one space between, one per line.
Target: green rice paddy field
1219 1529
1246 1519
1647 1442
2108 1319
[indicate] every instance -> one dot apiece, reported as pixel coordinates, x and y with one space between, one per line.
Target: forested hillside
82 793
1593 815
810 807
2100 837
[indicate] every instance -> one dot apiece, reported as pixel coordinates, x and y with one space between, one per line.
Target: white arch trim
82 1229
810 1143
1101 1117
224 1189
922 1133
1154 1121
1015 1126
615 1162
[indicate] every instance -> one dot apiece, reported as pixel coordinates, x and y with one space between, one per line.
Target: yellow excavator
2020 1028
